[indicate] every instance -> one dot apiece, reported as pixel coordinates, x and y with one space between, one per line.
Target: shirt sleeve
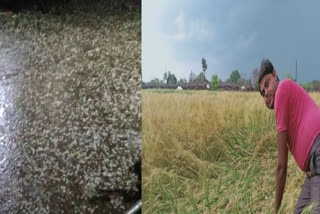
282 108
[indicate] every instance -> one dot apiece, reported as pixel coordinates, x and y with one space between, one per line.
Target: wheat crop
212 152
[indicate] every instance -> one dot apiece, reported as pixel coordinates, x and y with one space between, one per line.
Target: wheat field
212 152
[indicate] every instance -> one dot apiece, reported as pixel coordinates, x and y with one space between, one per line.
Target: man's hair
266 68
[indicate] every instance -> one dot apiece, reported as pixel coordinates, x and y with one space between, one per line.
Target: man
298 127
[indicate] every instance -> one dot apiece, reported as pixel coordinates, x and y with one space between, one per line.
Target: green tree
201 78
306 85
172 80
155 81
311 85
234 76
214 82
315 85
204 64
182 81
165 76
288 76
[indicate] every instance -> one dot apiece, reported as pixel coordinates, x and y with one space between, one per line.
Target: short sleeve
281 108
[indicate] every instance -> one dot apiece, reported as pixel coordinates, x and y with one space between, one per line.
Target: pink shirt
297 113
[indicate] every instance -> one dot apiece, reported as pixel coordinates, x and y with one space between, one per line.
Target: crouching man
298 126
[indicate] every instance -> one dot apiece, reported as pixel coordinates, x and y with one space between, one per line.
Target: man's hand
281 169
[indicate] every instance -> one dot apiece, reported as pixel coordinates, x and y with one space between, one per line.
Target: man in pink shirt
298 127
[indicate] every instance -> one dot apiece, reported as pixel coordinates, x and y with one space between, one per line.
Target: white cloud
158 53
242 46
192 28
244 43
180 21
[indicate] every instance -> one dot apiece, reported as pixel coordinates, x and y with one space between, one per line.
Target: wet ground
70 117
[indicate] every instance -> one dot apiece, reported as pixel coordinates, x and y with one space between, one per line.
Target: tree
192 77
182 81
288 76
201 78
204 64
234 76
214 82
306 85
153 83
169 78
255 78
172 80
315 85
165 76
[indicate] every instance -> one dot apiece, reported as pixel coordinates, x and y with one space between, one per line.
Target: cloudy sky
230 35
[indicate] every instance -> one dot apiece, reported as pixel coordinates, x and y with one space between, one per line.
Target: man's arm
281 169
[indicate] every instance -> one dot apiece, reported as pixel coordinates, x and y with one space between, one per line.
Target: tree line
170 80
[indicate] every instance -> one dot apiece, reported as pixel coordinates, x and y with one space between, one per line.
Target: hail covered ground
70 115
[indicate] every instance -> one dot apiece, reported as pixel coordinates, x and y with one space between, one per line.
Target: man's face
268 88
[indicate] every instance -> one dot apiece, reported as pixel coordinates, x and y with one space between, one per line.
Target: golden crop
211 152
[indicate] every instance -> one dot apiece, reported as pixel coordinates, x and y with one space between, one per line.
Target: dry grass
211 152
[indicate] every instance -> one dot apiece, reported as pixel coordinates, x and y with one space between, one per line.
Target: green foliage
170 78
315 84
182 81
306 85
165 76
288 76
201 78
311 85
155 81
204 64
234 76
214 82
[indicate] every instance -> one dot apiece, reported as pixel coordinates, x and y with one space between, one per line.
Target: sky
230 35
